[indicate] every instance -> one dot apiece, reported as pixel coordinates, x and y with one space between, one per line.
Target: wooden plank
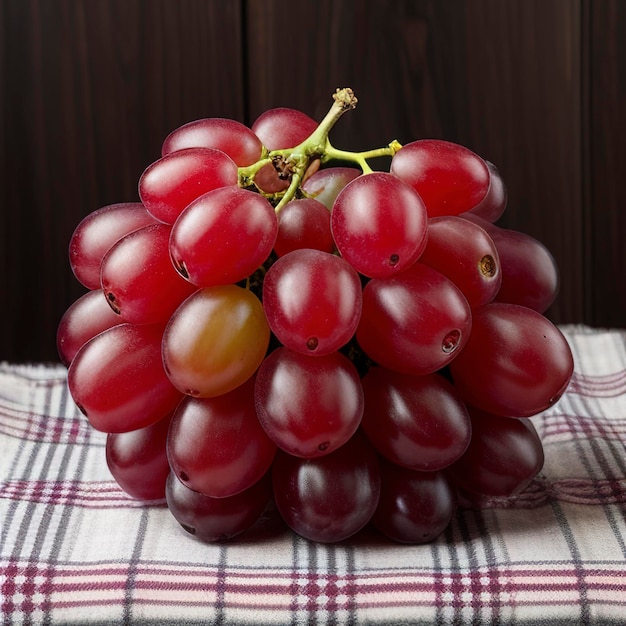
90 91
606 212
297 58
524 110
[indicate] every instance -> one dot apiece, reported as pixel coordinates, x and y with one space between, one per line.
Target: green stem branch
246 174
316 146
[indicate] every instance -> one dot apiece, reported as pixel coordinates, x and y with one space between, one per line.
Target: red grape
268 181
515 363
328 498
308 405
414 507
450 178
325 185
480 221
280 128
84 319
223 236
217 519
238 141
117 379
493 205
414 322
139 280
303 223
168 185
97 232
419 422
216 445
379 224
312 301
503 457
530 275
215 340
466 254
138 460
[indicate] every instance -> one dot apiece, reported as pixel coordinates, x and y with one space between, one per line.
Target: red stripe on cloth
555 425
44 428
28 587
90 495
604 386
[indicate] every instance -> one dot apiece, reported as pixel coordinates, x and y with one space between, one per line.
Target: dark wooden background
90 88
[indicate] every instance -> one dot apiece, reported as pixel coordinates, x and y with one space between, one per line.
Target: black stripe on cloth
331 586
469 543
451 586
351 588
220 587
579 568
435 551
310 593
296 543
133 564
487 532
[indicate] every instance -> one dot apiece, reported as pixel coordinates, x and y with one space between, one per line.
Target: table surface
75 549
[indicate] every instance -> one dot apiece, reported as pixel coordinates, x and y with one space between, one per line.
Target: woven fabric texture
74 549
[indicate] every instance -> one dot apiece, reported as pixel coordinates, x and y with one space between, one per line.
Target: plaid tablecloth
75 549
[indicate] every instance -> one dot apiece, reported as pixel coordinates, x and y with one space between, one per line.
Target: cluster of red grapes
275 322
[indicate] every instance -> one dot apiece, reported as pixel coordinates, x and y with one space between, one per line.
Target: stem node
345 98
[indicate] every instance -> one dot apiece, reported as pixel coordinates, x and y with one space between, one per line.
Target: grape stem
296 163
360 158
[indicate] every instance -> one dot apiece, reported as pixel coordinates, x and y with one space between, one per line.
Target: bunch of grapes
274 324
